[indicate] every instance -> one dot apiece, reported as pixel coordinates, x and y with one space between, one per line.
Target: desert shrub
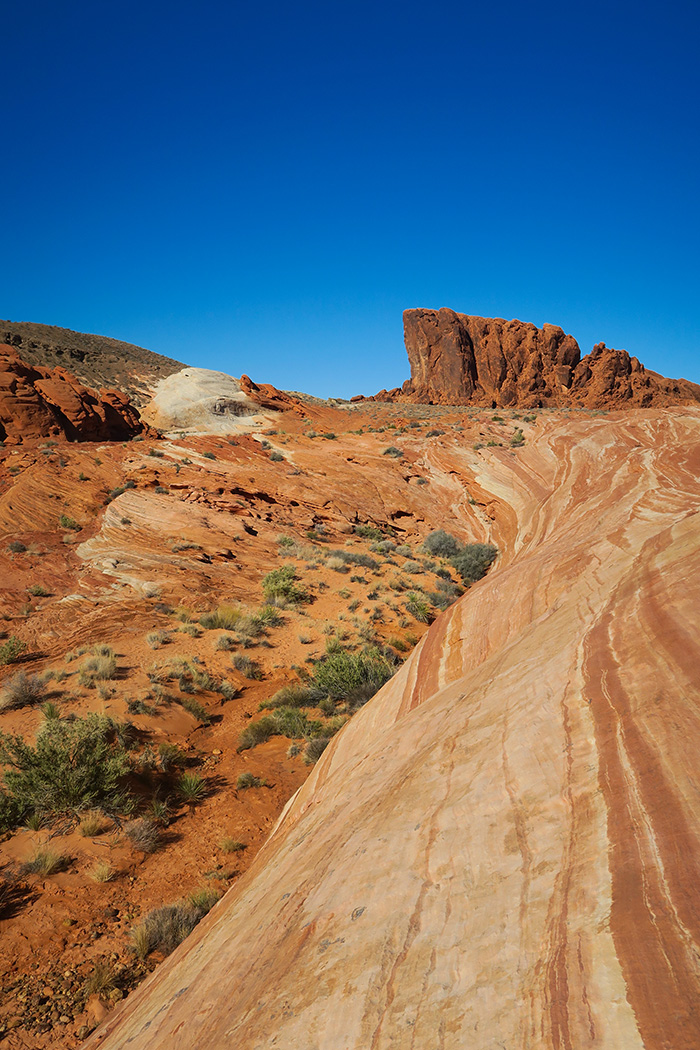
353 678
247 667
143 834
442 544
45 862
232 846
22 690
418 607
284 721
434 433
16 547
165 928
67 522
473 560
247 780
280 588
285 541
398 643
224 618
225 642
157 638
350 558
315 748
517 439
208 455
276 457
196 709
369 532
10 650
191 788
296 694
392 450
38 591
170 756
413 568
383 546
74 764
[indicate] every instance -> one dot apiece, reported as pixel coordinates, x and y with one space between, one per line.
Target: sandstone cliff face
503 847
460 359
43 402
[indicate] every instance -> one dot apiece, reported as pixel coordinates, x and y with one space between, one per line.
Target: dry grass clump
143 834
23 690
102 980
157 638
102 871
92 823
100 666
165 928
45 862
232 846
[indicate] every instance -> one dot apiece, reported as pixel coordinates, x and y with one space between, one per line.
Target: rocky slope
457 359
503 847
96 360
41 402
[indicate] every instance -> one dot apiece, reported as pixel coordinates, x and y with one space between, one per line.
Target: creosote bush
74 764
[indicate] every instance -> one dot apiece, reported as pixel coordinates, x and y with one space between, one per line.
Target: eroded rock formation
42 402
459 359
503 847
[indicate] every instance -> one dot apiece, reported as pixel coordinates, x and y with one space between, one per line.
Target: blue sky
264 188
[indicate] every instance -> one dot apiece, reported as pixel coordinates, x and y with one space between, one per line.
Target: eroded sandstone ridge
502 849
458 359
43 402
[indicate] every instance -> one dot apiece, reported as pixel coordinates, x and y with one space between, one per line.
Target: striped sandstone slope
503 848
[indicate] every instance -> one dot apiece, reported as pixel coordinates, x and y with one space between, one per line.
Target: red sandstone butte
459 359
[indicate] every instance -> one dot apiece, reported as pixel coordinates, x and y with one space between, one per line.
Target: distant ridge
97 360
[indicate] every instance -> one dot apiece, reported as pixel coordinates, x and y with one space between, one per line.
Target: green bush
248 780
280 588
293 695
74 765
352 678
392 450
442 544
473 561
284 721
10 650
224 618
369 532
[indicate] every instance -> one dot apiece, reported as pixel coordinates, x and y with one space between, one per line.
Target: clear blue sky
263 188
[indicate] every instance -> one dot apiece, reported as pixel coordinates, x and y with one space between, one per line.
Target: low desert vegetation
165 928
74 765
281 589
23 690
471 560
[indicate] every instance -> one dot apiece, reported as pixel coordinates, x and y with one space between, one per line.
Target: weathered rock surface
460 359
503 847
42 402
201 401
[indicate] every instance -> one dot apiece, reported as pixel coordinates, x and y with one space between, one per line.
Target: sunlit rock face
503 848
462 359
50 402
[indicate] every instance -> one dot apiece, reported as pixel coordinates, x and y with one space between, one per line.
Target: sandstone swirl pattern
503 848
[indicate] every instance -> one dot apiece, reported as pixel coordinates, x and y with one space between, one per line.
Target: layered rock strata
503 847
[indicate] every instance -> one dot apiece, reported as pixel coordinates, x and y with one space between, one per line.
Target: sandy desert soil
160 532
